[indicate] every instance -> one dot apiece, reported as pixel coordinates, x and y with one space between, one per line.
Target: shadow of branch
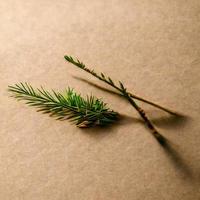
178 162
170 121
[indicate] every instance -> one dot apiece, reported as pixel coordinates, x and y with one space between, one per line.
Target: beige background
153 47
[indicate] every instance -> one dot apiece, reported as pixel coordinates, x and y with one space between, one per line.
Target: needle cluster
69 105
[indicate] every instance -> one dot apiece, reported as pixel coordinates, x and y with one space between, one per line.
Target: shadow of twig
179 163
98 86
169 121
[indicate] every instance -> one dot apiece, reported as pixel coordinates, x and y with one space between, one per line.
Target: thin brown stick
153 104
149 124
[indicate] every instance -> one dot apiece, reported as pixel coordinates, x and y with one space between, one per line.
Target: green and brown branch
127 95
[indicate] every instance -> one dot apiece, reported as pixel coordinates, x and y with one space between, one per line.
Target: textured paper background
153 47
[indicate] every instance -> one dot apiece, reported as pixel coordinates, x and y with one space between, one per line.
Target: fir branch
123 91
68 106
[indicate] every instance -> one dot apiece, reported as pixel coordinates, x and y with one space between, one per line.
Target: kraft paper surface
153 47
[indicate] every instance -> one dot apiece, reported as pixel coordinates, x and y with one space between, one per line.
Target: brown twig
128 96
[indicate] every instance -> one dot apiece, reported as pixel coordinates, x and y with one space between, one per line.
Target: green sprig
84 112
